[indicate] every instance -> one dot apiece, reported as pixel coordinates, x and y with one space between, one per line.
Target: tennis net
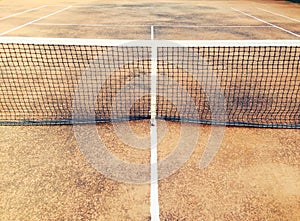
65 81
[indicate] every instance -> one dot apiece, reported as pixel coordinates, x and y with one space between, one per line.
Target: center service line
154 204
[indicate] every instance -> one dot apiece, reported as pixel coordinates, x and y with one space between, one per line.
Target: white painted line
154 203
90 25
23 12
261 20
106 6
284 16
149 43
168 26
228 26
152 32
96 6
29 23
214 26
55 5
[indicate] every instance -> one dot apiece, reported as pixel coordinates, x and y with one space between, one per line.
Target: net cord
149 43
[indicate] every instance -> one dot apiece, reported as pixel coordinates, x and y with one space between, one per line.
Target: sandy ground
254 176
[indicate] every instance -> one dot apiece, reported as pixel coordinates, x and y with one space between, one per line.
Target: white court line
261 20
105 6
139 25
281 15
29 23
214 26
152 32
90 25
23 12
57 5
154 203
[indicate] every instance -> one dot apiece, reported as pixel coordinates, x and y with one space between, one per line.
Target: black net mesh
260 85
62 84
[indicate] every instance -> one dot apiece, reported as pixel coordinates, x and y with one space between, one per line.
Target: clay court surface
254 175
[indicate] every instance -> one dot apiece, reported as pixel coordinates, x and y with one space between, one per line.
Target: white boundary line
154 203
152 32
29 23
56 5
106 6
261 20
284 16
90 25
23 12
214 26
170 26
148 43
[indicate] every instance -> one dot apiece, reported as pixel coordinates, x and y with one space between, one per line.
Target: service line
261 20
284 16
158 25
22 12
31 22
